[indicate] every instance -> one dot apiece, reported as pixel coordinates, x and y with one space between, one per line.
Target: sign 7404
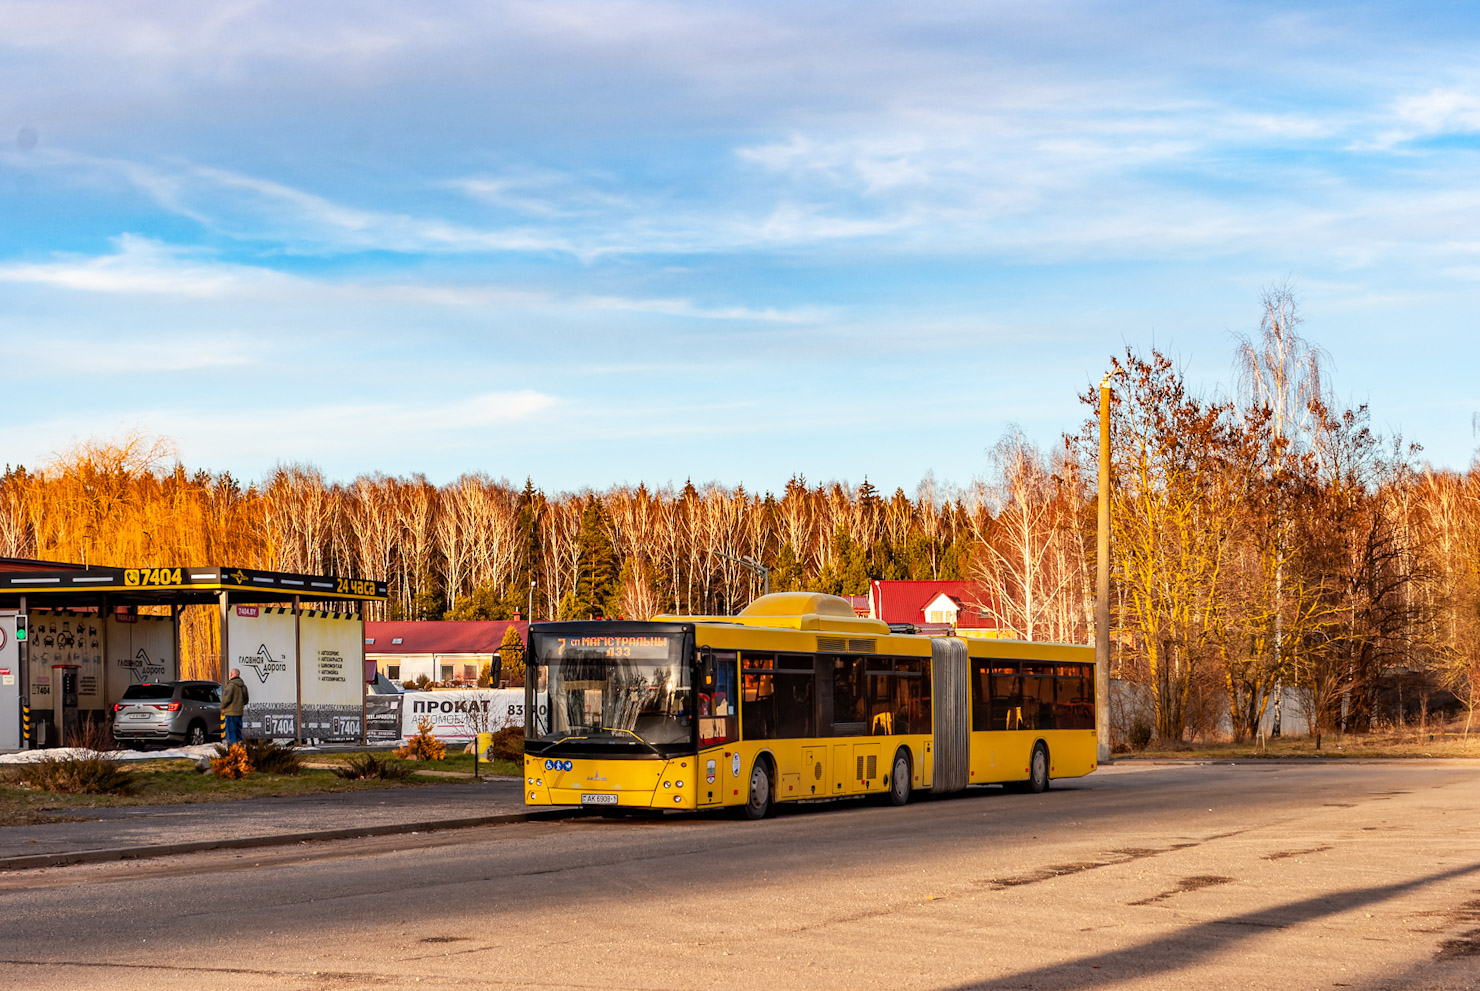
151 576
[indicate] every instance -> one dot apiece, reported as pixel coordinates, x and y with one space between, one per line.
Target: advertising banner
383 718
261 641
66 638
333 649
140 649
459 715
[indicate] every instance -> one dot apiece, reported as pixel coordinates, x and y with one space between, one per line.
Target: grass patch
168 782
1352 745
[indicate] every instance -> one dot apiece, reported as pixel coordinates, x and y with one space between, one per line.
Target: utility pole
1102 582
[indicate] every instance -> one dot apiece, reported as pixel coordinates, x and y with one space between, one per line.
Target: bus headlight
680 784
668 784
678 798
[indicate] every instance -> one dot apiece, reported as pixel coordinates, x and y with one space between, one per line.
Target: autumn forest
1260 538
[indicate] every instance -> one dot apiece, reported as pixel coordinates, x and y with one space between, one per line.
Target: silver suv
186 712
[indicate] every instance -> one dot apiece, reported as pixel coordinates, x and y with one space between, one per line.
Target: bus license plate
598 800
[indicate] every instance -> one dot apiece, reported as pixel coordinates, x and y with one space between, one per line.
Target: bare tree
416 512
1283 374
1028 542
298 521
1181 467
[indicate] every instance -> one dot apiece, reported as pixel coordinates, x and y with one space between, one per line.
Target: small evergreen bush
233 762
422 746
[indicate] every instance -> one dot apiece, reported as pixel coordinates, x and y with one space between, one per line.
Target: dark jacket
234 698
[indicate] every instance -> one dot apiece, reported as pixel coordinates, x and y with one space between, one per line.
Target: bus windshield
630 689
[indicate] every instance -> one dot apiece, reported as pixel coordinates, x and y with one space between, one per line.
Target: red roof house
960 608
448 651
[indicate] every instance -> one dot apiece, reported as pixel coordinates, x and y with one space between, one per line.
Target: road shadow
1196 944
635 816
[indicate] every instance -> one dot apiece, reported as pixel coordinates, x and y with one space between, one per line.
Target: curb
36 860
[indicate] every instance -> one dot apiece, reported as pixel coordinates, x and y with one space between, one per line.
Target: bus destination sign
649 648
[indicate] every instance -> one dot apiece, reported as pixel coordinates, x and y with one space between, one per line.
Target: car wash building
73 638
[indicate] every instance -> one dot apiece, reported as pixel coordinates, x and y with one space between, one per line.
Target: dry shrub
368 767
508 744
92 734
233 762
422 746
1140 735
90 775
272 758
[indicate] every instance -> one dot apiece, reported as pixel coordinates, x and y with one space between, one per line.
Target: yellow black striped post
26 726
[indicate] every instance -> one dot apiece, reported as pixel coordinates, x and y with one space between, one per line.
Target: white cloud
543 193
119 355
1438 112
141 266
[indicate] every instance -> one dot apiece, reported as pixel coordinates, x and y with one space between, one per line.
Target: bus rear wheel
758 805
899 779
1038 770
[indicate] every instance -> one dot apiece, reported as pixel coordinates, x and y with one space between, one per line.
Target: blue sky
620 241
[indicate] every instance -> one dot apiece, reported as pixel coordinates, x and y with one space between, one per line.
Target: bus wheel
1038 770
899 779
758 806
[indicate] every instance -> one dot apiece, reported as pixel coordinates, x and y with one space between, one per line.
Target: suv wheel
195 735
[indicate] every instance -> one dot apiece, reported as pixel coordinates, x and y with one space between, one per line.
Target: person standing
233 705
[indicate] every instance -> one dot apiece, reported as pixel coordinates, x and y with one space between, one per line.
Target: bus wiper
613 729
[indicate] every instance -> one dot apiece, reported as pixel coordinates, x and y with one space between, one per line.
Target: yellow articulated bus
795 699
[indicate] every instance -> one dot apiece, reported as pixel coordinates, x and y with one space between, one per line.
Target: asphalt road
1338 875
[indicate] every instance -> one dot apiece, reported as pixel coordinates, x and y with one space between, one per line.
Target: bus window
1007 696
898 695
981 696
1038 702
914 673
779 696
881 702
796 712
718 705
849 697
758 688
1074 691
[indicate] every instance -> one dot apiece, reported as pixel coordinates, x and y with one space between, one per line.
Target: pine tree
786 571
483 603
597 572
531 507
511 655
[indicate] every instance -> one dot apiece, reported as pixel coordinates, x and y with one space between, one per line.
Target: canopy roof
176 584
